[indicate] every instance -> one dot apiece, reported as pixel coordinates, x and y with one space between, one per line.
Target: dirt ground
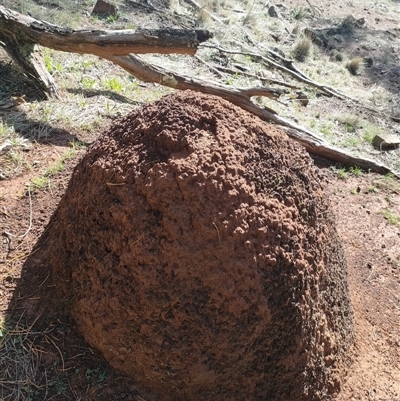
361 204
372 248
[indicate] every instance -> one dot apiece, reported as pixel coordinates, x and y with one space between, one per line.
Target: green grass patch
351 142
114 84
350 122
369 131
356 171
391 217
344 172
43 181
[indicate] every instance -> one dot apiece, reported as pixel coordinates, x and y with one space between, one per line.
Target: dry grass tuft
355 65
336 56
302 48
19 360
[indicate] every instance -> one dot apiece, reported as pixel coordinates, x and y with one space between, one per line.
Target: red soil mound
196 250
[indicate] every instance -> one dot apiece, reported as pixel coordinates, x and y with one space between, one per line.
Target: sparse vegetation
342 173
369 131
302 48
94 92
356 171
351 122
355 65
351 142
43 181
372 189
336 56
114 84
391 217
299 13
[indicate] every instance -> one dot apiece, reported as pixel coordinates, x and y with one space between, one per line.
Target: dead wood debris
20 34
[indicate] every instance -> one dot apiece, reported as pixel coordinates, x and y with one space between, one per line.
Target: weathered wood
19 28
150 73
20 34
242 98
323 149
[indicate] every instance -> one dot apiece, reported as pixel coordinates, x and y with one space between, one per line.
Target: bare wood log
150 73
330 152
20 35
17 27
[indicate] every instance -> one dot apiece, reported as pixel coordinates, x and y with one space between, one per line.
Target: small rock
385 141
272 12
104 8
368 61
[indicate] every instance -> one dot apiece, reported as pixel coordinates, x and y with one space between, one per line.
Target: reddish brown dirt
195 249
371 247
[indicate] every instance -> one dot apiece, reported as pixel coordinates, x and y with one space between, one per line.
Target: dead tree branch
242 98
291 71
20 35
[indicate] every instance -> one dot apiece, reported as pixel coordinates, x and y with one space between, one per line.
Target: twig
59 351
261 78
209 66
291 71
219 237
21 256
313 8
196 5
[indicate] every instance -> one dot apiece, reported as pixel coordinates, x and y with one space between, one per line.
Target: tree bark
17 28
20 35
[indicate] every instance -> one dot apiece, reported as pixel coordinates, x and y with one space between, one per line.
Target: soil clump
195 248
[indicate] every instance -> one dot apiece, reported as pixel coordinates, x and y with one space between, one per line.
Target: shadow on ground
380 50
42 355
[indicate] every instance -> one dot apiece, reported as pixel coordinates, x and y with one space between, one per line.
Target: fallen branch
15 28
330 152
151 73
288 67
291 71
210 67
20 35
242 98
259 77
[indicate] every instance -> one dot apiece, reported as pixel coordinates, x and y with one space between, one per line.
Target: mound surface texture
197 252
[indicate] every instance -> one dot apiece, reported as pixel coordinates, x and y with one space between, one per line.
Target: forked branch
20 35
